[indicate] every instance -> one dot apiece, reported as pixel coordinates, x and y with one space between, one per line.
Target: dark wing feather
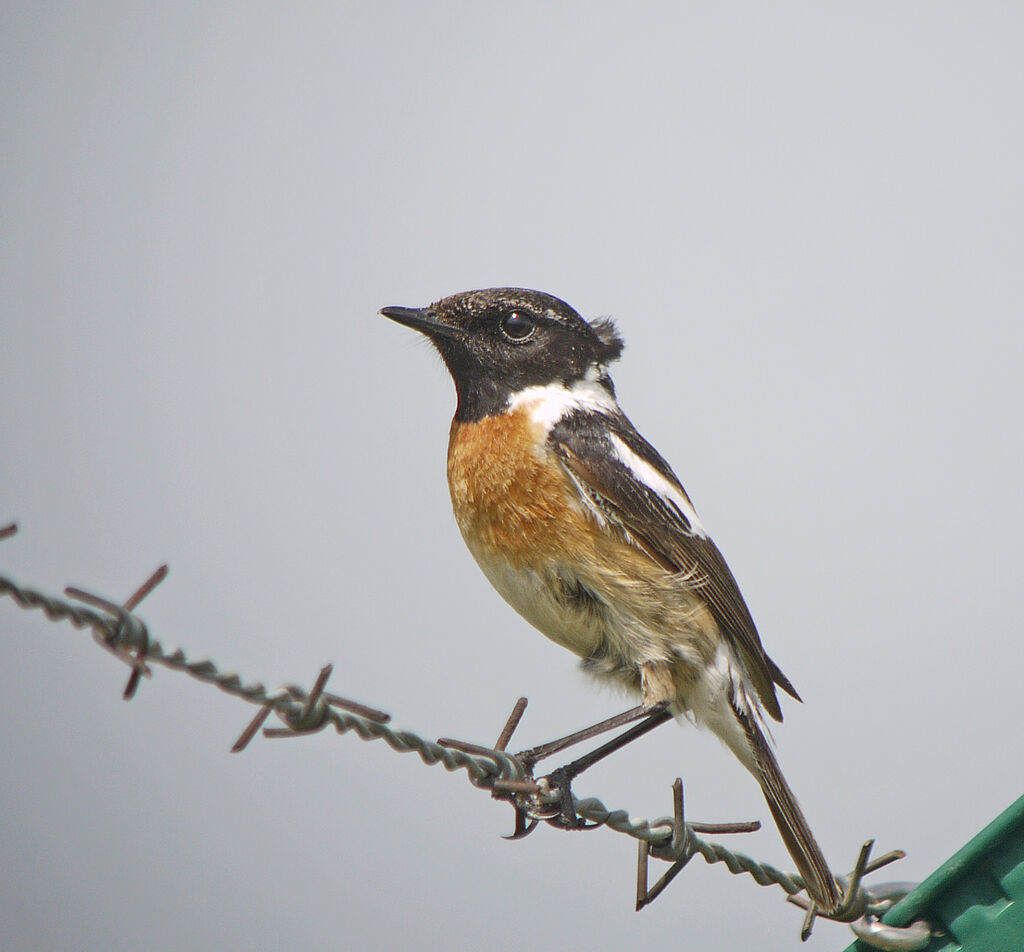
582 442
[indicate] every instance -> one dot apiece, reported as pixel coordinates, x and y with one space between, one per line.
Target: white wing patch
651 478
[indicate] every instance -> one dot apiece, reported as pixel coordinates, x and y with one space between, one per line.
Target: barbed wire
671 838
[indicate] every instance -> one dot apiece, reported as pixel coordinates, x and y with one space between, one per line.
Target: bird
585 530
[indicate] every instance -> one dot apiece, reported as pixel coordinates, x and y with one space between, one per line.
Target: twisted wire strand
125 630
482 770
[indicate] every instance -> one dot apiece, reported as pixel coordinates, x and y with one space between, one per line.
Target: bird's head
500 341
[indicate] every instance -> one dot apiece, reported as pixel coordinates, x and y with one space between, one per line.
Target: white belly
539 596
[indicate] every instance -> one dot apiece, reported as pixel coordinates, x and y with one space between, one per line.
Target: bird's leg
563 777
657 684
531 756
656 689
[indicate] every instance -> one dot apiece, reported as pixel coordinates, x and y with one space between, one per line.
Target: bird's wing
625 482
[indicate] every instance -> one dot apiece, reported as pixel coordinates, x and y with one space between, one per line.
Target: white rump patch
710 705
651 478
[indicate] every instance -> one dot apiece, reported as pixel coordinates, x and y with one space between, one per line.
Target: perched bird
584 530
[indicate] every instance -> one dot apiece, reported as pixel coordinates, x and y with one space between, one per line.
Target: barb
671 839
137 661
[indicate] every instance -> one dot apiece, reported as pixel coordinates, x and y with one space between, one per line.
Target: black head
502 340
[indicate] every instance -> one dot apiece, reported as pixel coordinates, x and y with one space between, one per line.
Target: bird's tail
789 818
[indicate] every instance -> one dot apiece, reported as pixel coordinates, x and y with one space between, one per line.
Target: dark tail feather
789 818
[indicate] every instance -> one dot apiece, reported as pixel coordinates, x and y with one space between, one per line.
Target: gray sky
806 219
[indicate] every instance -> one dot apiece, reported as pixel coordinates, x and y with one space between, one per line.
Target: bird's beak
422 319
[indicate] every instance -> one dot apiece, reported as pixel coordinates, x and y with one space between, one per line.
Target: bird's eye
517 326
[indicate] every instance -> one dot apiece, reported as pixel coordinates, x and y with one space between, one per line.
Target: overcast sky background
807 220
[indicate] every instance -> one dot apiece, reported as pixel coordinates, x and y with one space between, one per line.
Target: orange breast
507 497
525 525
